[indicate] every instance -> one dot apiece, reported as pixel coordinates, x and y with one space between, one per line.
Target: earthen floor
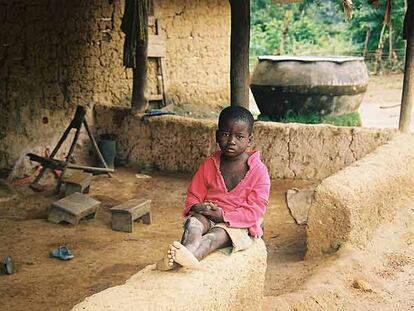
105 258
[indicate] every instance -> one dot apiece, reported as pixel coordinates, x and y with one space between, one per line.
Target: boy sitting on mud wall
227 197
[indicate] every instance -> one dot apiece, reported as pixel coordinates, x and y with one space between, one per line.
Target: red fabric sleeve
197 190
249 213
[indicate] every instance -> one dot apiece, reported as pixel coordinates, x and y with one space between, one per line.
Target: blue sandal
62 252
7 265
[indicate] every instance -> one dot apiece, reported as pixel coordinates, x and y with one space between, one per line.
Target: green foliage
350 119
318 27
308 118
369 18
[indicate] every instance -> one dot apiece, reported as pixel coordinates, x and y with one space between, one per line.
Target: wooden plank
95 145
165 81
151 20
131 205
47 162
77 204
155 97
90 168
156 46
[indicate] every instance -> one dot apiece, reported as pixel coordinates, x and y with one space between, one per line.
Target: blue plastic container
107 146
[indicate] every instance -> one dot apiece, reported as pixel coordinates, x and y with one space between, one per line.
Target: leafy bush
318 27
350 119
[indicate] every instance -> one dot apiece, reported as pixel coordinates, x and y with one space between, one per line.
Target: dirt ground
105 258
380 107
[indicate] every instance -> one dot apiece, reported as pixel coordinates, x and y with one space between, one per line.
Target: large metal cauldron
305 84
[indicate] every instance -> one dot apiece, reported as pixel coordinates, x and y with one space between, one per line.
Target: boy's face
233 137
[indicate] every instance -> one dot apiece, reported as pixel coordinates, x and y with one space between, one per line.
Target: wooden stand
73 208
78 182
125 214
51 163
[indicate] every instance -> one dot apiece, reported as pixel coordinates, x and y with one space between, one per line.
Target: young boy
227 196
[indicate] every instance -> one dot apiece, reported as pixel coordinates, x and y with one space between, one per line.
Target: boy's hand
199 207
214 213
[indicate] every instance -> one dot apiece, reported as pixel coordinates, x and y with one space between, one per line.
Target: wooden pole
367 35
239 53
139 85
407 101
378 52
390 43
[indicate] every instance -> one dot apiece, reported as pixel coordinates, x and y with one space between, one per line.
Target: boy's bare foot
167 262
181 255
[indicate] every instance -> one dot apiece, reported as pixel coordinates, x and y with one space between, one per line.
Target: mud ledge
383 284
224 282
298 151
351 204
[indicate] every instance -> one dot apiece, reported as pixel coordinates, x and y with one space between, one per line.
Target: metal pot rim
308 58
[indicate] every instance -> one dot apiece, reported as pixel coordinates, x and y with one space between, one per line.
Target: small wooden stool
77 182
73 208
125 214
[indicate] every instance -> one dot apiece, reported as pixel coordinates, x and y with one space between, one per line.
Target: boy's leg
194 228
216 238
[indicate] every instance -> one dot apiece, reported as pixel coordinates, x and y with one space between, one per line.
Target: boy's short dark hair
236 113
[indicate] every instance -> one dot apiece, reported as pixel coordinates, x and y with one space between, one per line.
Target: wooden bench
125 214
73 208
77 182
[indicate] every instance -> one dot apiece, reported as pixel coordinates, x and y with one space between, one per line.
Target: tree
319 27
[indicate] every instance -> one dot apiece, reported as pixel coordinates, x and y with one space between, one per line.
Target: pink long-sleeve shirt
243 206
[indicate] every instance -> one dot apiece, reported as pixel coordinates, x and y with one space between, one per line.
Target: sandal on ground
62 252
7 265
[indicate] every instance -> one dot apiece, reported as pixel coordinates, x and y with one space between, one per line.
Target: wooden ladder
156 49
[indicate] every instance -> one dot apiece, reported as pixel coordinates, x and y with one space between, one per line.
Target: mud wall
351 204
57 54
289 150
225 283
197 34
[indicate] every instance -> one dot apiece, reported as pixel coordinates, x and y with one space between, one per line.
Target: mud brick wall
231 283
298 151
350 205
56 54
197 36
53 56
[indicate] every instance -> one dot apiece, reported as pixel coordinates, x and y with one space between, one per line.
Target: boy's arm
248 213
196 191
